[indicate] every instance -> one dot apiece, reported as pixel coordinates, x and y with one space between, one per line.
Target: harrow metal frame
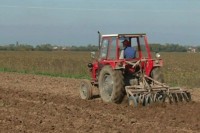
151 90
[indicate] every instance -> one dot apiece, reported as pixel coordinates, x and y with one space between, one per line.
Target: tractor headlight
90 65
157 55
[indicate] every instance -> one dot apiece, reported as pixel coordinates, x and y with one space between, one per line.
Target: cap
126 42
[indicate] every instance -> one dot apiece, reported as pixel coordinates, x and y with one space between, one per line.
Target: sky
76 22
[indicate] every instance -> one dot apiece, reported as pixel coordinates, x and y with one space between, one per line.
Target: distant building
66 48
60 48
55 48
192 50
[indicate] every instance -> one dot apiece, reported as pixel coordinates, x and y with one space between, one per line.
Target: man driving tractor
128 52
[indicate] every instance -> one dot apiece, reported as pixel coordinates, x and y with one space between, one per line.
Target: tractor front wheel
111 85
157 75
85 89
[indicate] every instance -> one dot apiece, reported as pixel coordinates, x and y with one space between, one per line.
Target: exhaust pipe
99 39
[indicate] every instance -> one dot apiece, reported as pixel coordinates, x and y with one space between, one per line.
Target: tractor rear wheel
85 89
111 85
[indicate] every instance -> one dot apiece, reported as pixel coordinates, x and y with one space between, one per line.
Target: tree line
49 47
168 48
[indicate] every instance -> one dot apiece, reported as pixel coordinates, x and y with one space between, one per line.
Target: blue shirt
129 52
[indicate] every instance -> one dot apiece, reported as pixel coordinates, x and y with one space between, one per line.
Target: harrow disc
180 97
141 99
175 97
145 100
159 97
149 99
168 98
133 101
187 96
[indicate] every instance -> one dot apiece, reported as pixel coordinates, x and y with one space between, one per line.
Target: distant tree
24 47
167 48
91 47
44 47
155 47
198 48
84 48
11 47
3 48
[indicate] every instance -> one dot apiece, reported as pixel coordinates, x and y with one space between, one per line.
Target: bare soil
30 103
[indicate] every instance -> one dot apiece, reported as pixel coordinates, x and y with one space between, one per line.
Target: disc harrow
151 91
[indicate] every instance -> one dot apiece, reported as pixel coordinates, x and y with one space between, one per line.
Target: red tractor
139 78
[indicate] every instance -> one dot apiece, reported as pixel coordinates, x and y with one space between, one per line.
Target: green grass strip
46 73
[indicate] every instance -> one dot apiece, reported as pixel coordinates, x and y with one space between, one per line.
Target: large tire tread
119 91
118 85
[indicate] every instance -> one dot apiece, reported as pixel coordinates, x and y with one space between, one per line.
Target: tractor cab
112 53
111 46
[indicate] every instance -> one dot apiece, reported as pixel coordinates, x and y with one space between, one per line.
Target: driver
128 52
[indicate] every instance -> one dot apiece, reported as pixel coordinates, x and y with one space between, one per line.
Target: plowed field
30 103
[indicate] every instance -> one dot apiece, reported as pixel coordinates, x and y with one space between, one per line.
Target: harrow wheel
85 90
